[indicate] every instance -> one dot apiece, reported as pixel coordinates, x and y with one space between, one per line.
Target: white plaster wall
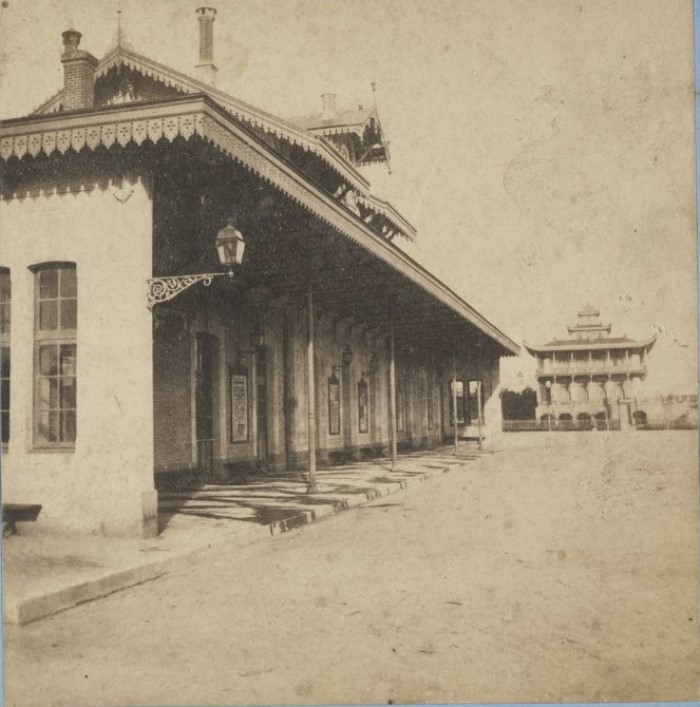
106 484
493 411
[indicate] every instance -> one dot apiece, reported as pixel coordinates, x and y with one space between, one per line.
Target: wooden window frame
6 343
462 403
472 400
58 338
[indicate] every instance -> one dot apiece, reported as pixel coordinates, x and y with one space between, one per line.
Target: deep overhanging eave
199 115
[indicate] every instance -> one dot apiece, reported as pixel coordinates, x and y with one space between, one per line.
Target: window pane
5 426
47 427
68 426
5 394
69 314
43 394
69 283
68 354
68 393
53 426
5 318
48 283
48 394
48 315
56 362
4 361
5 287
48 365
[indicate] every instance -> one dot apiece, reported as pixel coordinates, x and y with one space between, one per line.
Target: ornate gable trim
198 115
240 110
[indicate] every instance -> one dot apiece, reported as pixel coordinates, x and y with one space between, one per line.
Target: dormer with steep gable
329 148
355 132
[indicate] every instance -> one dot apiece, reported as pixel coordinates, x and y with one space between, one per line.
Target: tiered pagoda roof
589 334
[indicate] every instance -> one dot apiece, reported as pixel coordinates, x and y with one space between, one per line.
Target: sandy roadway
560 570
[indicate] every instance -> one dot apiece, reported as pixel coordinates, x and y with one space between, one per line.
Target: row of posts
311 395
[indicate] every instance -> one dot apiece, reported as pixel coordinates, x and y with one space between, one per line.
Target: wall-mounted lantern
230 246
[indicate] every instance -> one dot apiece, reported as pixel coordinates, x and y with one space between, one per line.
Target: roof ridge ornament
382 129
120 38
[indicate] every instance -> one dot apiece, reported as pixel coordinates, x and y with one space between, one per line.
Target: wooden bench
18 513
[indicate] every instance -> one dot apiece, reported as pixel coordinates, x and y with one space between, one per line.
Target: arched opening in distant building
640 417
584 420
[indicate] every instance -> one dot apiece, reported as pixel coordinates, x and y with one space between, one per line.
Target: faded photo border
696 24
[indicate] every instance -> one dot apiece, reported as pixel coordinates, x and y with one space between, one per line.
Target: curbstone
25 610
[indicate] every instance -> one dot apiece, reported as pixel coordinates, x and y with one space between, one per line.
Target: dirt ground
563 568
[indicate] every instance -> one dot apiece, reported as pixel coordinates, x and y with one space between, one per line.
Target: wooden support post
478 407
454 397
478 393
392 397
311 392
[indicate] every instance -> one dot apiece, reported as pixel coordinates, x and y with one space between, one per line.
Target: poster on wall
363 405
239 407
333 405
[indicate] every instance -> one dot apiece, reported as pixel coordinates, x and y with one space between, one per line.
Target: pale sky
543 149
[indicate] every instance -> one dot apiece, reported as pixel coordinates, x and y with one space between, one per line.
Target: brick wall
79 81
171 395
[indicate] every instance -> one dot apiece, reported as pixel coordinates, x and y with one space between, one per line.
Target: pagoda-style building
590 377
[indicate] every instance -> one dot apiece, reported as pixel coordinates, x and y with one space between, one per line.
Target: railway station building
189 283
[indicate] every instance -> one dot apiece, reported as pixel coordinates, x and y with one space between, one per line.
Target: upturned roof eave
597 345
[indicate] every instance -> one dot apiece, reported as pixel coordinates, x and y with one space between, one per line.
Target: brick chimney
206 70
78 73
328 103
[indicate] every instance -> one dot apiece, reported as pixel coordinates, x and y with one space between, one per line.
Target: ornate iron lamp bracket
163 289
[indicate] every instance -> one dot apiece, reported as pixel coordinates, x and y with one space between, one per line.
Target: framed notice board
333 405
363 405
239 406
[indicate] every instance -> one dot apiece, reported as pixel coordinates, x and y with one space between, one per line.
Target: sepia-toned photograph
349 352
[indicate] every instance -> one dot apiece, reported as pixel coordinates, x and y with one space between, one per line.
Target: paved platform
45 574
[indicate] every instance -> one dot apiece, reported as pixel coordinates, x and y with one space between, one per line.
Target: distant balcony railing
559 425
584 368
597 404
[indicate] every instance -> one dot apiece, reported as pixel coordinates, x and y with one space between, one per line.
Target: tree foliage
519 406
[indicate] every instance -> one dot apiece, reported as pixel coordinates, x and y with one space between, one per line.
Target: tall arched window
55 354
5 307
